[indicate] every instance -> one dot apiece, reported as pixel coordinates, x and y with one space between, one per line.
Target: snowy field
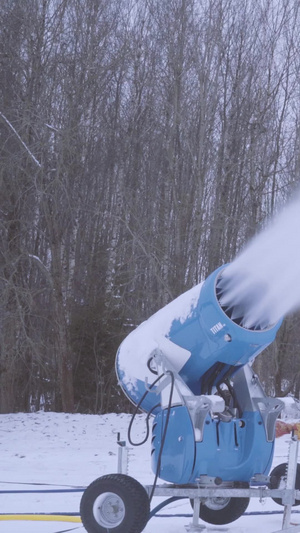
48 451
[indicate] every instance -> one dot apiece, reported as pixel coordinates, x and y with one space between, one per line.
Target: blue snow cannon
190 366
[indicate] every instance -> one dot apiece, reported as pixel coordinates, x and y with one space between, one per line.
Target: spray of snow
262 283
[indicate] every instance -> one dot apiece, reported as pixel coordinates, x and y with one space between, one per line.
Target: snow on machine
213 431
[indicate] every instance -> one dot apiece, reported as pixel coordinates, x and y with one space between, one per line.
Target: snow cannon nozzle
240 300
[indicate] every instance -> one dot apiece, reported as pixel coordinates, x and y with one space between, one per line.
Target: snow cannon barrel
204 341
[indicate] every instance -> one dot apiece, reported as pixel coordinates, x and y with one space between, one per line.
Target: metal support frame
199 492
288 494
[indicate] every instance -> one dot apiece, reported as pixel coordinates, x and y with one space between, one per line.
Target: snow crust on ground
71 450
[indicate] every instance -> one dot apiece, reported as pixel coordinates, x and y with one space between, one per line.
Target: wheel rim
109 510
216 504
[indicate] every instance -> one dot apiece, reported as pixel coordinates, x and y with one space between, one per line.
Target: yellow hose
41 517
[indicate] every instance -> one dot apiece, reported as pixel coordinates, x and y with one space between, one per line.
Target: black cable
147 427
149 366
66 530
41 484
41 491
164 434
137 407
147 424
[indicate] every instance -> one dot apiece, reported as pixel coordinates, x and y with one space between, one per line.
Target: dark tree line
143 142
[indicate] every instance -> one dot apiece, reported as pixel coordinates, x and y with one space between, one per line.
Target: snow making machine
213 427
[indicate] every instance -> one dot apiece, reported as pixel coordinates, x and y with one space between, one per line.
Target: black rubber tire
232 510
278 474
134 505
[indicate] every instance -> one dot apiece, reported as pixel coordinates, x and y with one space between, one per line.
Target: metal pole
122 456
290 482
195 526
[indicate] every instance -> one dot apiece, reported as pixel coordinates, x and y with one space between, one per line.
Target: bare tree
142 144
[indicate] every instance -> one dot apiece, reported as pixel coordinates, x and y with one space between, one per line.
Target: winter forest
143 143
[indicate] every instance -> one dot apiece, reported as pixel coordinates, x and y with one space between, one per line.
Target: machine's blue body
233 450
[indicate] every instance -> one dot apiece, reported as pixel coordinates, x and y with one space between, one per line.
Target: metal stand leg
290 483
122 456
195 526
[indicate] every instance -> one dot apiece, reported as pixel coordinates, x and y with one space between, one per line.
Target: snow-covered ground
47 451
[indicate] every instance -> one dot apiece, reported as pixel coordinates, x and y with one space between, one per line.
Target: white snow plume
263 283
